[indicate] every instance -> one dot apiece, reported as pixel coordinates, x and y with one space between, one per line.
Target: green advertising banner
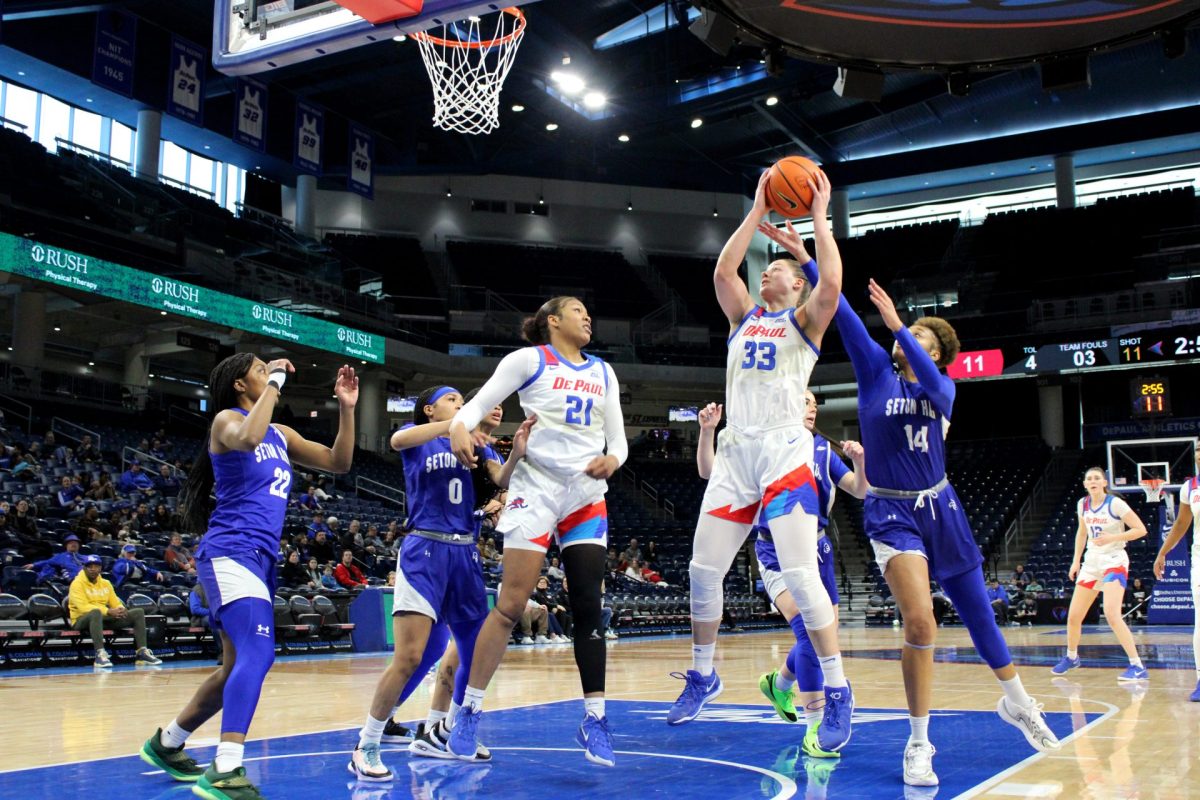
86 274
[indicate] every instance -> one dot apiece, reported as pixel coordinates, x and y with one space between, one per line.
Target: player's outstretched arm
234 431
823 300
1179 529
417 435
855 483
520 440
732 293
1080 543
511 374
706 445
941 389
336 459
602 467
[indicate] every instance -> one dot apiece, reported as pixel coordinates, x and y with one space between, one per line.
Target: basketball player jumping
1189 516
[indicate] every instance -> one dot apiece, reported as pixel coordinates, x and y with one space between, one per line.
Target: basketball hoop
1153 487
468 71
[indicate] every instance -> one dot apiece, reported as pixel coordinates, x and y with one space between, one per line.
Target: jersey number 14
918 440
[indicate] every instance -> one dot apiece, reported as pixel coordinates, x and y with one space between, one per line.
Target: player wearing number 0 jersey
914 519
763 467
1188 517
556 493
1103 518
247 465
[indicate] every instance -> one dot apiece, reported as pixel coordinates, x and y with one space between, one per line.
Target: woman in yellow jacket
94 604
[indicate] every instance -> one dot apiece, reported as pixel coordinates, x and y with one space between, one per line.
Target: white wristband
277 378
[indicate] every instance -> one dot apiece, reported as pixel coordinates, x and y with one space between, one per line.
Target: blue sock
802 660
435 648
249 623
464 639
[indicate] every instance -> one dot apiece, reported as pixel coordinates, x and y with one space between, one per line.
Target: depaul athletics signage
86 274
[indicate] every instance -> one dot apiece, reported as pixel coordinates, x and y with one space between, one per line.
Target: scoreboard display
1151 347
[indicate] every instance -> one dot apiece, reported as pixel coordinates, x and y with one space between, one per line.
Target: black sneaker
395 733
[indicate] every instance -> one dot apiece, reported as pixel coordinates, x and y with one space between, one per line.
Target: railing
186 417
130 454
13 407
669 507
381 490
73 430
13 124
650 492
1017 527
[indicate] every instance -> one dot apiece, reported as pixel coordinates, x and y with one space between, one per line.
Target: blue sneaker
1066 665
1195 696
461 743
696 694
1133 673
596 740
834 732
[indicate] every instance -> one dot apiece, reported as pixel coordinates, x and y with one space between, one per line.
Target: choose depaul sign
84 273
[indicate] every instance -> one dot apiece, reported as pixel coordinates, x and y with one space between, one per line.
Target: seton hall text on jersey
441 461
587 387
268 450
909 405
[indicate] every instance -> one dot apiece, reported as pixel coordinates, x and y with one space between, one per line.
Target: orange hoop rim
517 31
1152 486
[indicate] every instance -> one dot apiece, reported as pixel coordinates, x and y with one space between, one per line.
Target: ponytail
536 329
196 493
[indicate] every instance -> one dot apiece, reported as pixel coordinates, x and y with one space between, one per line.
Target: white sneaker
918 764
526 640
554 638
1030 722
610 634
542 639
366 765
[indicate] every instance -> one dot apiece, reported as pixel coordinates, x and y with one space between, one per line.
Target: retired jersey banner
186 98
310 131
250 119
112 60
361 177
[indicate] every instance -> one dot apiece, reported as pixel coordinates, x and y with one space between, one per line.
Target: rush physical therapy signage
84 273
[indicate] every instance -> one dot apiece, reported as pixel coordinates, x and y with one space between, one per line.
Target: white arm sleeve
614 420
510 375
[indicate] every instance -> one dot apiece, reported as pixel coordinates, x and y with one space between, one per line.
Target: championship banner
361 177
112 59
186 97
310 130
250 119
1171 600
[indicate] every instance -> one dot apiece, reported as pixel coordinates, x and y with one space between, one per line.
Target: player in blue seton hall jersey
247 465
439 582
912 516
763 467
1188 517
556 492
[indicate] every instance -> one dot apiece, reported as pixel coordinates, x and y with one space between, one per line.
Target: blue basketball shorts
440 580
938 530
234 577
768 568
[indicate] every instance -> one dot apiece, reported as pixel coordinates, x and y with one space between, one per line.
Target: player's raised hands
854 451
710 416
822 190
463 443
521 437
760 196
787 239
887 309
345 389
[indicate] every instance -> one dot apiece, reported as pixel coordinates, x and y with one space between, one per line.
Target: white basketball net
468 70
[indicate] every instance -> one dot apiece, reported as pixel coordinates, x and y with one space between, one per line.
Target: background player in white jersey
1106 523
557 490
764 456
1188 517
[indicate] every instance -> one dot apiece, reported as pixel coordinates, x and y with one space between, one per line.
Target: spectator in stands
23 520
26 466
348 575
632 553
102 488
391 579
327 578
167 483
198 607
70 495
371 539
313 581
1136 600
1026 609
650 557
335 529
87 452
634 570
179 558
352 537
1034 585
162 518
999 599
321 548
544 598
612 564
143 519
534 623
157 450
61 453
94 605
489 550
393 527
64 565
651 576
318 525
135 479
294 575
308 500
555 571
90 527
1020 576
391 543
323 493
130 569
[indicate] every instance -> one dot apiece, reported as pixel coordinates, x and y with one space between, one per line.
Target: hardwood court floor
1137 743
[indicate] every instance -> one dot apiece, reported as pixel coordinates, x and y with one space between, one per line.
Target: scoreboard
1150 347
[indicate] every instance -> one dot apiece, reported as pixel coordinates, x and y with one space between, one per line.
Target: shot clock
1150 396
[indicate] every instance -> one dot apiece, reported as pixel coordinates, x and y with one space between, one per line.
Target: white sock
594 706
372 731
229 756
1136 661
702 658
434 718
1072 654
812 717
451 715
831 669
395 711
782 683
473 698
174 736
918 729
1014 690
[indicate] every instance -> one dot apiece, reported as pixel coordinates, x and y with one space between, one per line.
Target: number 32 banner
250 122
186 98
310 130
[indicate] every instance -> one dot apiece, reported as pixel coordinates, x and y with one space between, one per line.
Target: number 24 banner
186 98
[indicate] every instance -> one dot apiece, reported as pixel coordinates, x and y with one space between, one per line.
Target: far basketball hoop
1153 488
468 71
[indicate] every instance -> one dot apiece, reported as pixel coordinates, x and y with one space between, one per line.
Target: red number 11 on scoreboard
977 364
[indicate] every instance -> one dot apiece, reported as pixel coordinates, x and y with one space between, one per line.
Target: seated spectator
322 492
352 537
26 467
322 549
308 500
157 450
162 518
143 520
327 578
534 623
612 564
334 526
650 576
391 578
544 598
179 558
1020 576
94 605
86 451
999 599
294 575
348 575
1137 599
102 488
198 607
90 527
135 479
70 494
23 519
634 570
129 569
313 574
62 455
391 543
631 553
64 565
318 525
650 556
554 570
166 482
1026 609
1034 585
393 527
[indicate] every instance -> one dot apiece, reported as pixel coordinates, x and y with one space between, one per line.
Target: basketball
788 193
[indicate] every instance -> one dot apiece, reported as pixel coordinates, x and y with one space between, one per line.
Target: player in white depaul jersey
764 456
1106 523
556 491
1188 517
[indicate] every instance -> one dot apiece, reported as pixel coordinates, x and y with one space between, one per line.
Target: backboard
1134 461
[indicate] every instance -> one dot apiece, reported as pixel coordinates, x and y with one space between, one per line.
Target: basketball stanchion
468 71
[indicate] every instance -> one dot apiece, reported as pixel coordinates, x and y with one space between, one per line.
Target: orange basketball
788 193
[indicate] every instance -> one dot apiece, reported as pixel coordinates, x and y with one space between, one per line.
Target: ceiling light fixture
517 107
594 100
697 122
624 137
568 82
772 100
400 38
551 126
